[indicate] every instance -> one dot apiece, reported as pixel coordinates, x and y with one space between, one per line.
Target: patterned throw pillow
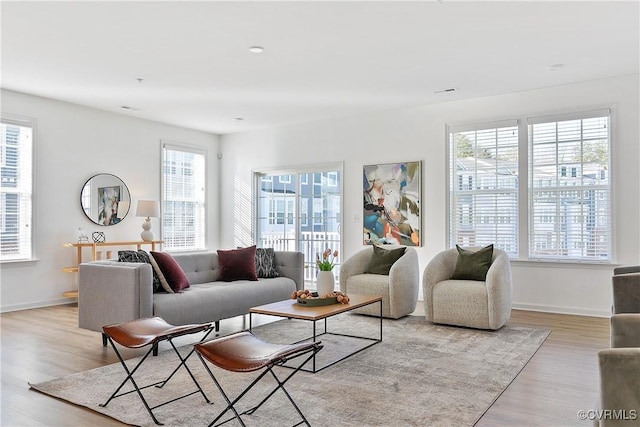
266 263
143 257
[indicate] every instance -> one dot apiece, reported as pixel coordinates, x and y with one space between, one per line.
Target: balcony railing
311 244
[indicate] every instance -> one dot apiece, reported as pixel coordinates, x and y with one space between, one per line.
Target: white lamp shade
148 208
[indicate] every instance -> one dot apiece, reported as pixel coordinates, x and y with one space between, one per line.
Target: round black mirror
105 199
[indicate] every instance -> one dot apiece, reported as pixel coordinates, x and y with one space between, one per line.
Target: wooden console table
94 254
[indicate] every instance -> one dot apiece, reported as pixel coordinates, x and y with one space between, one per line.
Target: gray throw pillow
473 265
266 263
382 259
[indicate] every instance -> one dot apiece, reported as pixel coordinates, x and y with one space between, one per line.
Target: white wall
419 134
72 144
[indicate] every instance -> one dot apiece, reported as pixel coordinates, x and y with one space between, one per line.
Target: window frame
302 200
571 172
186 148
524 192
32 123
467 185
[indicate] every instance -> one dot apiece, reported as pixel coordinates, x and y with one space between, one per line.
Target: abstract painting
391 203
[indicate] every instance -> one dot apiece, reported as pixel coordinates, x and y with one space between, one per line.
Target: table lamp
149 209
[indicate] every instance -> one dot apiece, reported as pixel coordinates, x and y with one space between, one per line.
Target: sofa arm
112 292
499 289
291 265
619 391
404 283
625 330
356 264
626 293
439 269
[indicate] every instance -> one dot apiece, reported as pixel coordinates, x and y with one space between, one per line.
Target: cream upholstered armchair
620 364
472 303
399 289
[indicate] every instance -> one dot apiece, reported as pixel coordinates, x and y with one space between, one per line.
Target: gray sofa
112 292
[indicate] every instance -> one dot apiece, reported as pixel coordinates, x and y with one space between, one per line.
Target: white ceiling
321 59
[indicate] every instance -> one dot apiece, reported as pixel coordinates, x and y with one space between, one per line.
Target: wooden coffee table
291 309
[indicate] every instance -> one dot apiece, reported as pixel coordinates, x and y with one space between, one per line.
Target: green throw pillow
382 259
473 265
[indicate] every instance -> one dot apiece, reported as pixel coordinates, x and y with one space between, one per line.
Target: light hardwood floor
45 343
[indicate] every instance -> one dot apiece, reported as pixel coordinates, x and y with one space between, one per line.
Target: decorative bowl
315 302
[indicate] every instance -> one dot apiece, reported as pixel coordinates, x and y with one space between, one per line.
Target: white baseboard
37 304
577 311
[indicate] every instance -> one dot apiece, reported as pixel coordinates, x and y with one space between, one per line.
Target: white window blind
183 198
570 187
16 175
483 183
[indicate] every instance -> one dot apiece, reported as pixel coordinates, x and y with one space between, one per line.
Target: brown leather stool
150 331
243 352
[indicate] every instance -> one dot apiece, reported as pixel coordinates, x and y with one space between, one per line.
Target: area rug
419 375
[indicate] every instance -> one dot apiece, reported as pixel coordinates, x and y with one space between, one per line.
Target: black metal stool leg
280 386
183 362
282 383
168 336
130 378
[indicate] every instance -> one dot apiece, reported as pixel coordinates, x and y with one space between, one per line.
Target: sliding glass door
300 210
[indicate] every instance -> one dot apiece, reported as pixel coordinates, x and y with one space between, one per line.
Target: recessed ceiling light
256 49
238 119
555 67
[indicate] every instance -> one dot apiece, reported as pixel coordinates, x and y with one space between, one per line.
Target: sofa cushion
141 256
266 263
170 272
206 302
473 265
382 259
237 264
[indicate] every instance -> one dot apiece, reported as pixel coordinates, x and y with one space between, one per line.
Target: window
291 214
183 198
569 182
16 197
484 185
562 212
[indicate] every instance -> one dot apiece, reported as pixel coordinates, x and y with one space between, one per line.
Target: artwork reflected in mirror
105 199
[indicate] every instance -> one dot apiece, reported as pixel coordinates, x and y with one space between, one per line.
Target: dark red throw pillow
171 270
237 264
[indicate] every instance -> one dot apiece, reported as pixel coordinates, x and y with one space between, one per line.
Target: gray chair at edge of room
619 366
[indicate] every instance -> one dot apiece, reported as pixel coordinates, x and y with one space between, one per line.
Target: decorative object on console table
149 209
98 237
95 254
82 235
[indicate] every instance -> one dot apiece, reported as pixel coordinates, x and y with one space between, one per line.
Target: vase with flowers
325 282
